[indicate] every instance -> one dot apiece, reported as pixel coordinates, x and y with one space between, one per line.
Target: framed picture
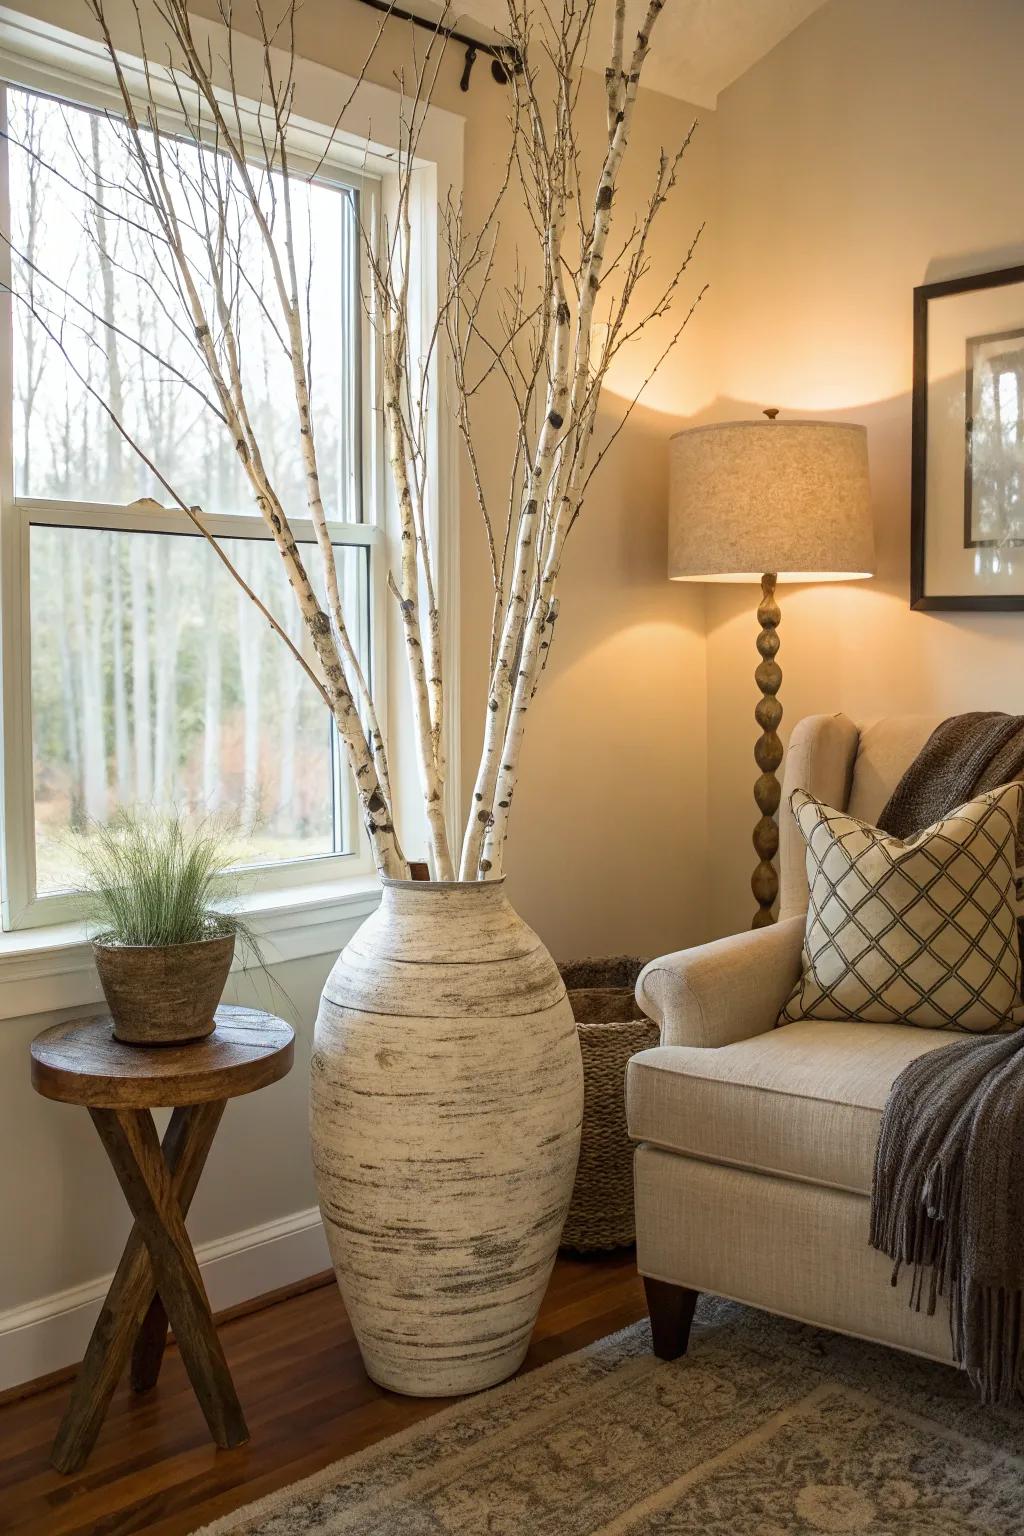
967 488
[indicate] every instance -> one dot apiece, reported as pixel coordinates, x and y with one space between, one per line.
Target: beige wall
879 146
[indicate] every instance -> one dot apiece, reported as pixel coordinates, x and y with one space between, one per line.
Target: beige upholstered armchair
756 1144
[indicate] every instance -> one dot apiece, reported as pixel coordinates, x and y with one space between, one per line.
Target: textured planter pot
164 994
447 1096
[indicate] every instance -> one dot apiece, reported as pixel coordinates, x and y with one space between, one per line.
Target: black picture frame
920 600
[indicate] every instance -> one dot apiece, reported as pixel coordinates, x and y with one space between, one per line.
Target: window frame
21 906
44 969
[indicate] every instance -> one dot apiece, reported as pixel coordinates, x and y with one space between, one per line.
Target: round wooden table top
80 1062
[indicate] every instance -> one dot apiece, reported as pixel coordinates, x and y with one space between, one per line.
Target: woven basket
611 1030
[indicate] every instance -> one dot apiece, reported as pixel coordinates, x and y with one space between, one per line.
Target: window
136 672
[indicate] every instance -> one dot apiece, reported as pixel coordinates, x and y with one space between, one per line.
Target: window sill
44 970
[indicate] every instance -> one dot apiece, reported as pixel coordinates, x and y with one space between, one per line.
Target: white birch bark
287 287
290 301
525 567
391 298
409 605
567 465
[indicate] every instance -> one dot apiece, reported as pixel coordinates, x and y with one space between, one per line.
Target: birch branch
526 549
390 273
194 197
229 390
566 478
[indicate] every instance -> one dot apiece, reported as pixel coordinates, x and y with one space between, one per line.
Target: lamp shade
790 497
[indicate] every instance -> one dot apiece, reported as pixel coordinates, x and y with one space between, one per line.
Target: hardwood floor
307 1401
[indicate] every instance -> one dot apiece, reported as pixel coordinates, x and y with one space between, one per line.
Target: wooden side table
158 1278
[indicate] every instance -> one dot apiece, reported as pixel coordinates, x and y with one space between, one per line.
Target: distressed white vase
447 1096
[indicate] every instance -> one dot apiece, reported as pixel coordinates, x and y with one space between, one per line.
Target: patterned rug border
601 1426
276 1503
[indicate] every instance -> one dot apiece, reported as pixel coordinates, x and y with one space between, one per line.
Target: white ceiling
699 46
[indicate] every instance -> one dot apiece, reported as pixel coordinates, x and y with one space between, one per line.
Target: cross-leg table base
156 1282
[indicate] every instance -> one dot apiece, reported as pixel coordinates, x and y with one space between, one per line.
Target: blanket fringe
948 1201
948 1195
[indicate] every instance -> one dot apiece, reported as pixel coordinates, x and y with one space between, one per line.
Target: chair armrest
729 990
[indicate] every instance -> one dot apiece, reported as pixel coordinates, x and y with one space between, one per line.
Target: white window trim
35 54
51 970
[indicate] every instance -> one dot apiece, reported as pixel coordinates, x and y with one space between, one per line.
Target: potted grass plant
163 946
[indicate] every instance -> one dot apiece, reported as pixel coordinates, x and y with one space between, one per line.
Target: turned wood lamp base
791 499
764 882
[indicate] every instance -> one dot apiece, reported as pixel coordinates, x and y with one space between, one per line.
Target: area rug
766 1428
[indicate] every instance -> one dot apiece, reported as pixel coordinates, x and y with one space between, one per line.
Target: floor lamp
769 501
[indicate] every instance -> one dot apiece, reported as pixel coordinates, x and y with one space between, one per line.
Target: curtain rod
505 59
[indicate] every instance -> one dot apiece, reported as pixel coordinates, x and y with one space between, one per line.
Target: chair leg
671 1308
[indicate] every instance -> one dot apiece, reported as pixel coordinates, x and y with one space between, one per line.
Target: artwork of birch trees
214 392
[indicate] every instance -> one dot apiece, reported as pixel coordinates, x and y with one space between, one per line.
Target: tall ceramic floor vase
447 1096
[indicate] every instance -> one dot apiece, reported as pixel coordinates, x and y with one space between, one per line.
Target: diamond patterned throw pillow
917 932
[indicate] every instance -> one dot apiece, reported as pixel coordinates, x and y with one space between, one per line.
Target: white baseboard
52 1333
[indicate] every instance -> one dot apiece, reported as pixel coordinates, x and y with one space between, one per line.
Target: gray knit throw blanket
948 1194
